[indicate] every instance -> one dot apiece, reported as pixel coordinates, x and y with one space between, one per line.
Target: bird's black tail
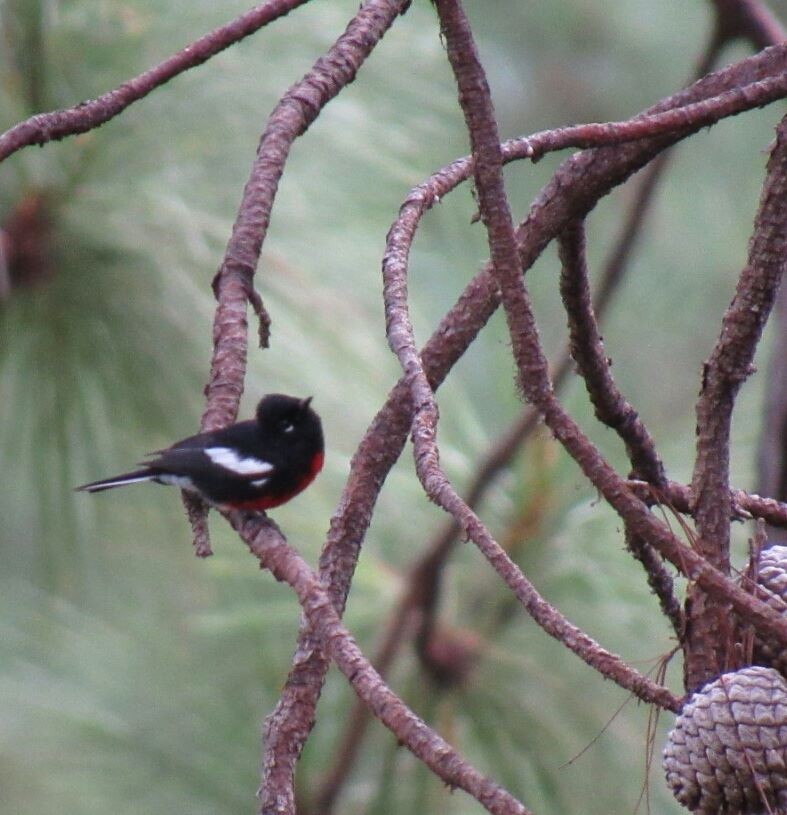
117 481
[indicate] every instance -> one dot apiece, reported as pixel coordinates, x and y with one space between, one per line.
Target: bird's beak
305 403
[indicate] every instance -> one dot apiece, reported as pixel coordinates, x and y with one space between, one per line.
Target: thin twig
57 124
587 349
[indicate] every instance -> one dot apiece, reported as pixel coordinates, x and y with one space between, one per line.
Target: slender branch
728 367
750 19
57 124
233 284
660 582
744 505
397 630
511 440
438 487
285 564
587 349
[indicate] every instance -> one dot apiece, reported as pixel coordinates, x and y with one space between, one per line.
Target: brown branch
397 630
57 124
772 453
660 582
285 564
428 572
291 117
728 367
574 189
749 19
678 118
233 284
587 349
196 512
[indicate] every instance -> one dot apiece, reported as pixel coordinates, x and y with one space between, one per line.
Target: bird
252 466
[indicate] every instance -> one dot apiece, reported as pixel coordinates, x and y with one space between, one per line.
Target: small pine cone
728 750
772 575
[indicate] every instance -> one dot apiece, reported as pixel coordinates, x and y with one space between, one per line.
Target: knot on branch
772 576
728 750
448 654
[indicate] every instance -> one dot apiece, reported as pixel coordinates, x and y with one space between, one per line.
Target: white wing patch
240 465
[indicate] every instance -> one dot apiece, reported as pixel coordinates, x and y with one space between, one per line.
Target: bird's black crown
281 415
277 409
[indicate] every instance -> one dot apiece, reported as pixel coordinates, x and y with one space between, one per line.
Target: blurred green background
133 678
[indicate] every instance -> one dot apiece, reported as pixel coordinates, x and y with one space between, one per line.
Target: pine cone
728 750
772 575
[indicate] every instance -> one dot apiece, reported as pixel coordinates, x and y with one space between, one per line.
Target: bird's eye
286 426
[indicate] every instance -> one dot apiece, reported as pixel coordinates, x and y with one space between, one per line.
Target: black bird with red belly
253 466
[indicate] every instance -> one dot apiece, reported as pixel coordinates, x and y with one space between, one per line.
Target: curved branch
437 486
587 349
57 124
291 117
285 564
233 284
531 364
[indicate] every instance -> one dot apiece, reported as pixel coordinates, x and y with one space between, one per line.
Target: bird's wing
199 462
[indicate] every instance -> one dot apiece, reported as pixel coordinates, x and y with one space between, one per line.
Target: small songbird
252 466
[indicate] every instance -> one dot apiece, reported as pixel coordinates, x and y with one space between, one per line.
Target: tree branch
587 349
729 365
57 124
531 364
267 544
